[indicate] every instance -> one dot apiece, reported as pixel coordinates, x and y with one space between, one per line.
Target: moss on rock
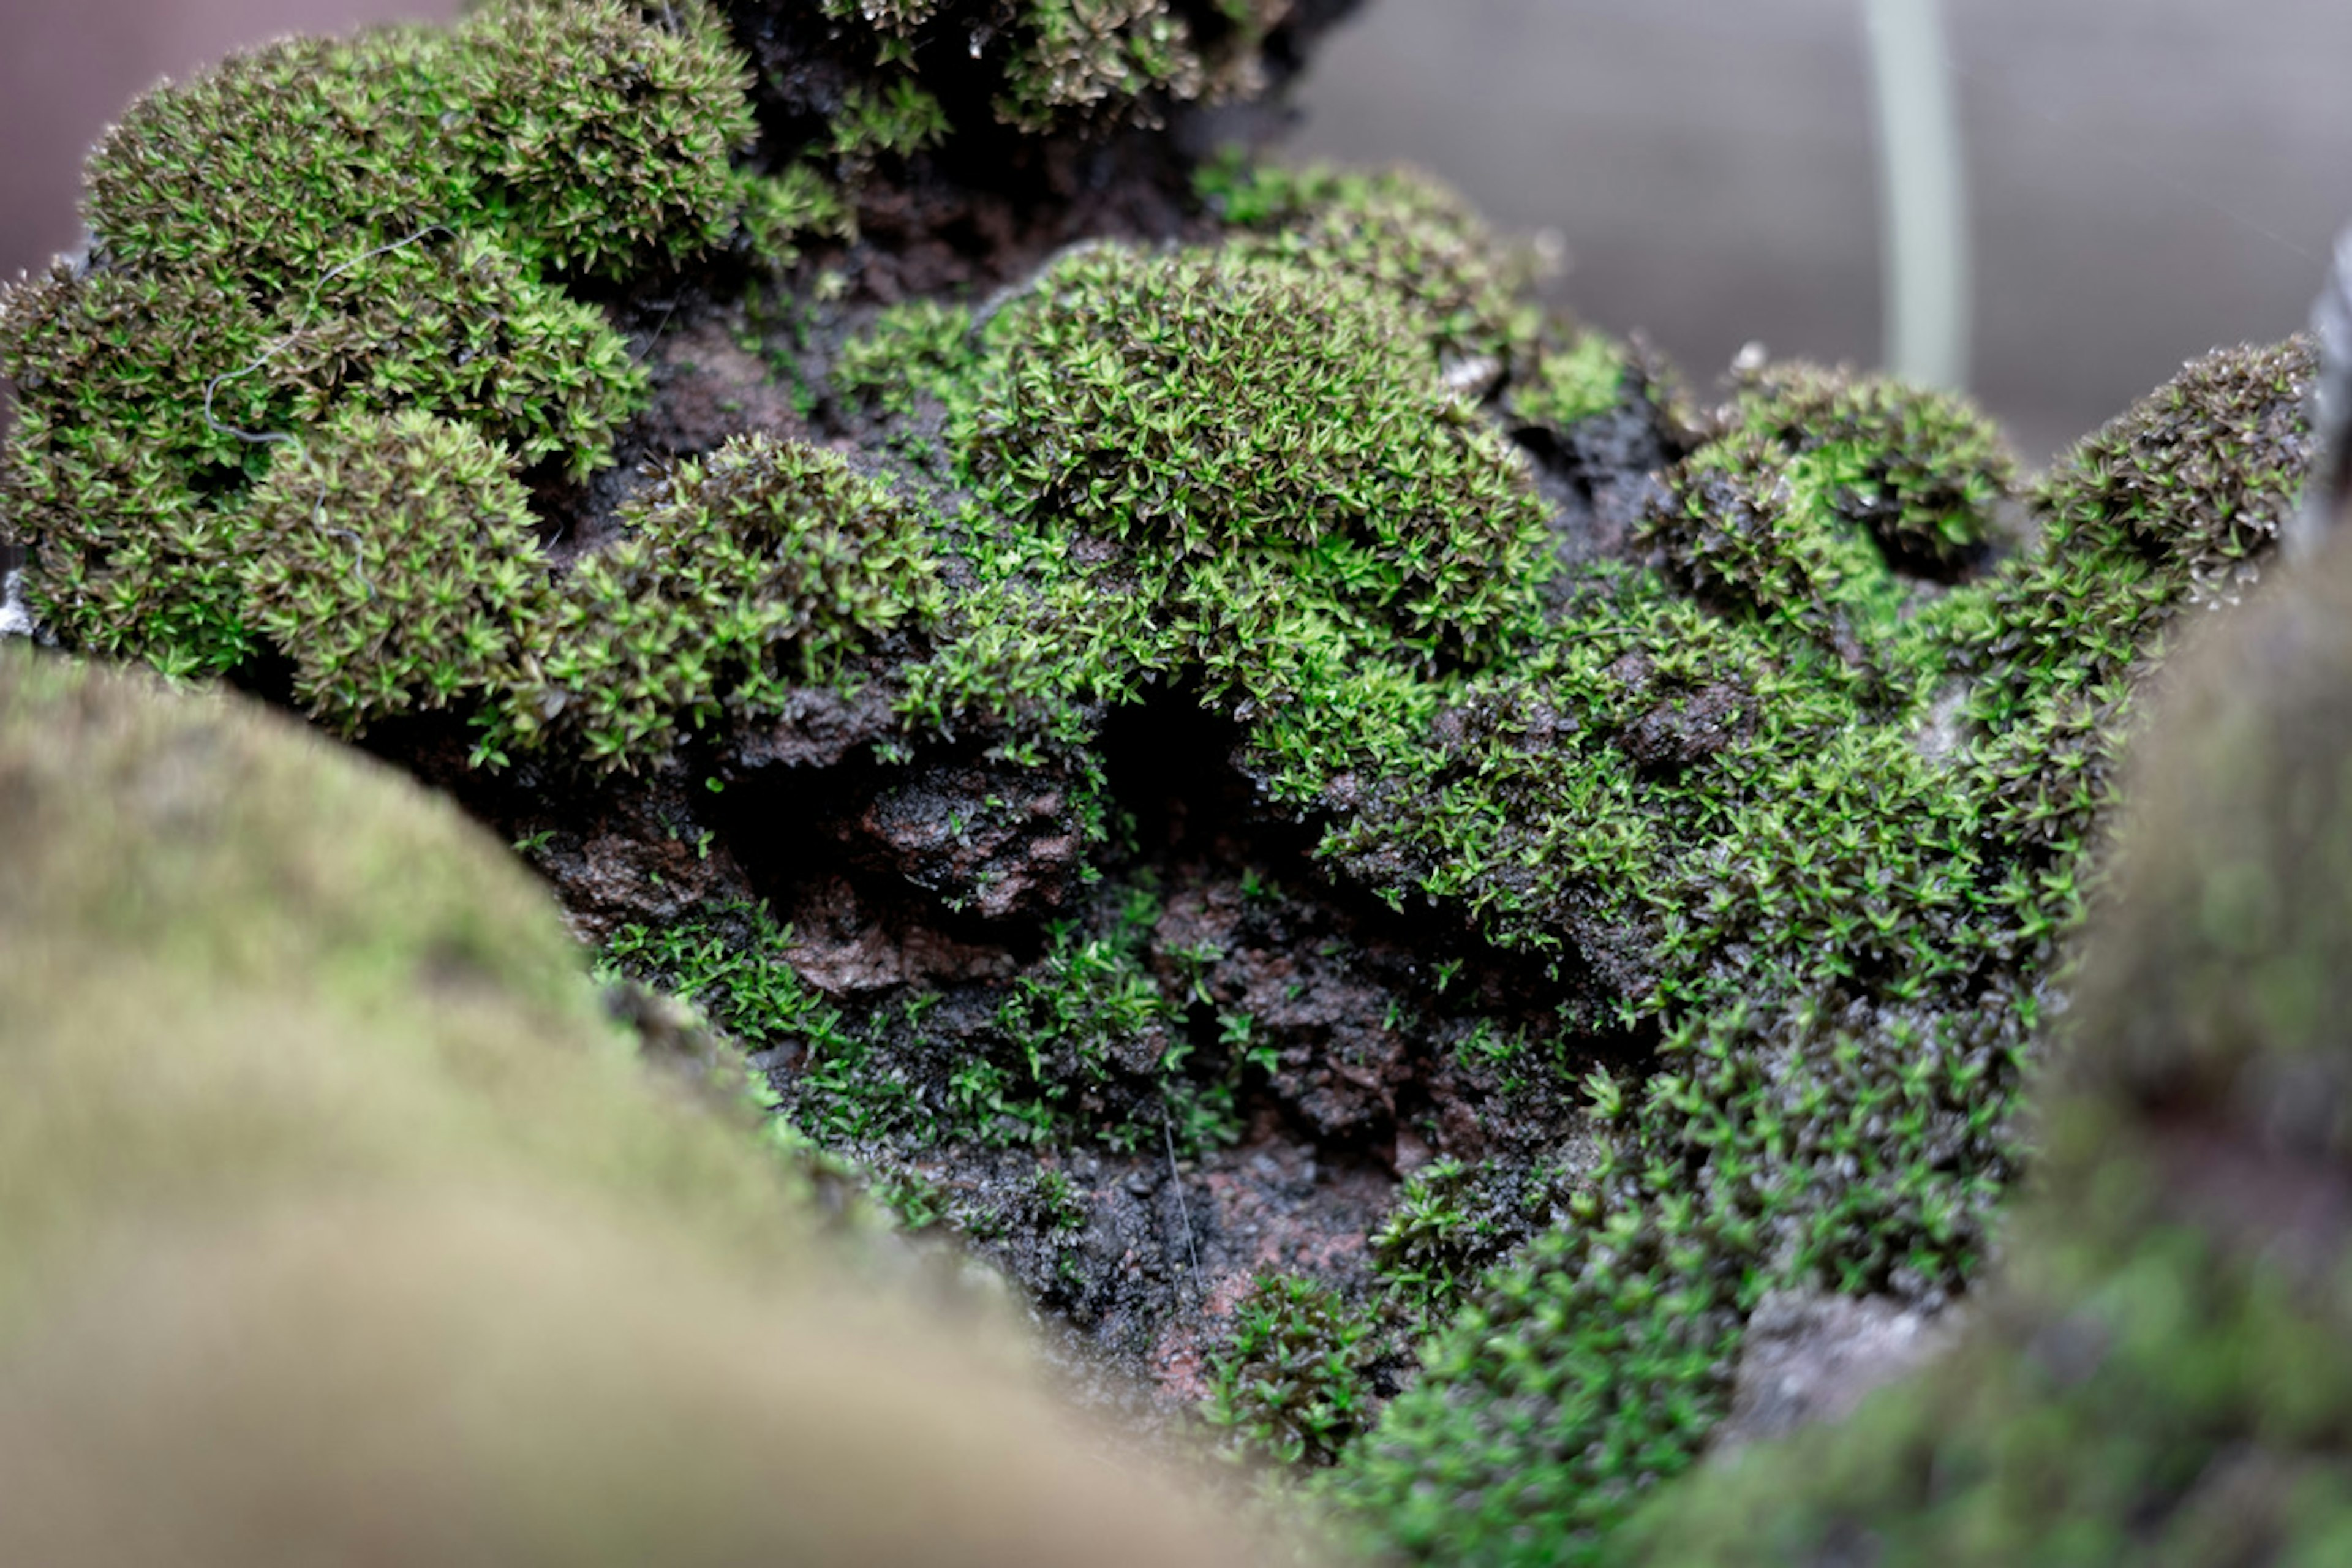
2160 1376
1772 791
740 578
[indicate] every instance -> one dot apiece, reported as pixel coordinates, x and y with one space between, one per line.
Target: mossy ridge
1850 1130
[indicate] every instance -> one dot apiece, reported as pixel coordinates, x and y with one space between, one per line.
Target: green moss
921 349
241 966
1852 934
2160 1376
1400 234
781 210
1452 1223
1081 1049
1058 64
396 564
1269 475
578 135
1288 1378
1587 378
761 568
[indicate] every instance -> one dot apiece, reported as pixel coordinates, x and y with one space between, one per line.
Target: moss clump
761 568
1400 235
581 137
346 227
1223 412
2171 509
396 563
1062 62
1453 1221
1589 378
1828 481
1290 1380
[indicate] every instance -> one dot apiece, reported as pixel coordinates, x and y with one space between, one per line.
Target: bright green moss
744 574
1452 1223
396 564
1587 378
1083 1048
1852 932
2160 1376
1237 422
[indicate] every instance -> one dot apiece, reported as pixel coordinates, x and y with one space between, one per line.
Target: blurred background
2144 178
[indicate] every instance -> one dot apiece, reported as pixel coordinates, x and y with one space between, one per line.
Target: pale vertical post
1922 194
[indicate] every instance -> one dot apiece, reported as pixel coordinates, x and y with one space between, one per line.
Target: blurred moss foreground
337 1222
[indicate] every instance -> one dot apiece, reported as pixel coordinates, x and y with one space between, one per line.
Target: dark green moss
1062 61
349 227
1289 1379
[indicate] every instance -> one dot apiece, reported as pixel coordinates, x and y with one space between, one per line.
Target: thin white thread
1183 1209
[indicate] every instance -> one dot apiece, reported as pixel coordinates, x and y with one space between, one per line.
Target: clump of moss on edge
396 563
353 226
